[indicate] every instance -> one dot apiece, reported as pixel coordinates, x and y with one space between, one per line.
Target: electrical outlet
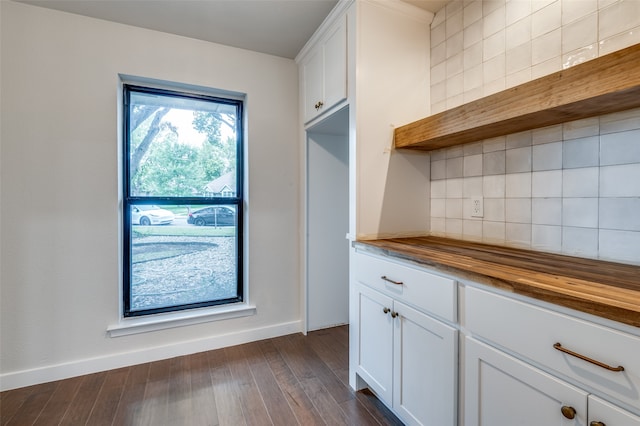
477 208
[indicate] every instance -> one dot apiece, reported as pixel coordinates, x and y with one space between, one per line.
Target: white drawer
532 332
423 290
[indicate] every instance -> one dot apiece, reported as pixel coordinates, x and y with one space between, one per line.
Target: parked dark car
216 216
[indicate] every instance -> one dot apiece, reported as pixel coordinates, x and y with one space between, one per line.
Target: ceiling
275 27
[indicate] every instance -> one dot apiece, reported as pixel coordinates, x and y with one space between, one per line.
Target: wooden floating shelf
600 86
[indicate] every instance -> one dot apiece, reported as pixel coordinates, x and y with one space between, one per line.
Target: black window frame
128 199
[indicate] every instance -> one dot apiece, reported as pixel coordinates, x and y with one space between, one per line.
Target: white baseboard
51 373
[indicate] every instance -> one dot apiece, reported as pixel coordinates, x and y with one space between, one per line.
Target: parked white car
150 215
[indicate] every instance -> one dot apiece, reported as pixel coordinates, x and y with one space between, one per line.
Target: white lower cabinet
407 358
502 390
506 337
603 413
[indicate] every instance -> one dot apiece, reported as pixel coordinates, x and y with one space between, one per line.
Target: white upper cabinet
324 71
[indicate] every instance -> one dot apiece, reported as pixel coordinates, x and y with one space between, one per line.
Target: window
182 201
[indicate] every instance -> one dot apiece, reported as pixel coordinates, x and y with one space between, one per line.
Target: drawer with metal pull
603 360
415 286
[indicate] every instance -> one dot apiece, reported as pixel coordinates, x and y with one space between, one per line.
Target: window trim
128 200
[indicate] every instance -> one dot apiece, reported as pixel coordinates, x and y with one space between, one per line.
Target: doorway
327 222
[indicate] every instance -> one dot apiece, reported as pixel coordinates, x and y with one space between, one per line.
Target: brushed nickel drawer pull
559 347
384 277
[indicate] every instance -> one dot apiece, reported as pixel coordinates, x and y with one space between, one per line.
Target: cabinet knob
386 310
594 423
394 314
568 412
318 105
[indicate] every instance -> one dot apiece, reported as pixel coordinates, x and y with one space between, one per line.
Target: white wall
59 193
571 188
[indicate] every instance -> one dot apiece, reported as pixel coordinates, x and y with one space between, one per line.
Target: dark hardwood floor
289 380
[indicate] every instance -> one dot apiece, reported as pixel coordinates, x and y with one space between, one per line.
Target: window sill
129 326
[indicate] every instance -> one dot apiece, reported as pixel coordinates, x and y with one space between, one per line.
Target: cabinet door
602 413
425 367
375 360
335 65
312 70
501 390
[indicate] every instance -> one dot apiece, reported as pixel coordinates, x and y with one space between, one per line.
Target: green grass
183 231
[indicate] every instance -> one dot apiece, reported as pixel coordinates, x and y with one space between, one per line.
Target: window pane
181 147
192 259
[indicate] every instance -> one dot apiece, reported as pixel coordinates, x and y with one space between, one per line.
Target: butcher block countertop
606 289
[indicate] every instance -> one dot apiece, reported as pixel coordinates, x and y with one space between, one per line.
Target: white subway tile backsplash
573 187
493 232
547 67
438 34
581 128
546 184
517 10
620 121
472 56
546 211
518 234
546 46
518 33
472 35
580 33
454 44
438 226
472 186
438 53
453 208
547 156
619 17
620 213
493 186
438 169
580 241
454 167
497 85
494 163
518 210
494 45
472 230
583 182
438 207
473 78
518 58
620 148
493 22
546 238
453 24
580 212
472 165
583 152
573 10
579 56
494 209
619 41
454 188
547 19
518 185
494 144
620 245
620 181
472 13
518 159
489 6
453 228
438 188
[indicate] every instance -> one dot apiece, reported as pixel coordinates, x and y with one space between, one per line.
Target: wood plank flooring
288 380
